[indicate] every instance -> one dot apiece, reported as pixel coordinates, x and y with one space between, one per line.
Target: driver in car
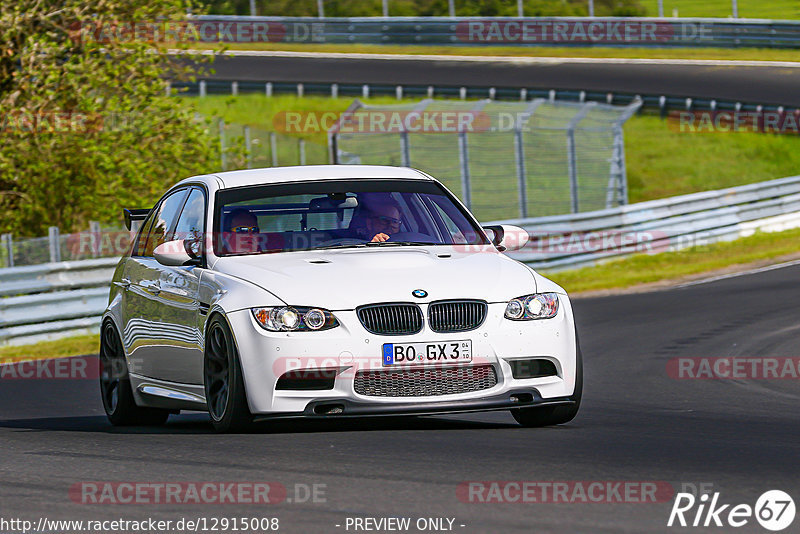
243 229
382 221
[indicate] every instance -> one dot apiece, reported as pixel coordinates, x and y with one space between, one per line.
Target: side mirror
506 237
176 253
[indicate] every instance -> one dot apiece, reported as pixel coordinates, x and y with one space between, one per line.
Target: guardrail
478 31
584 239
53 299
661 103
57 299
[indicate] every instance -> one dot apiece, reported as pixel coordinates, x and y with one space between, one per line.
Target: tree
86 127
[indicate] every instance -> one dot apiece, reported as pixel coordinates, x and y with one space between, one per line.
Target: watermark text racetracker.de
194 31
565 492
781 122
734 368
547 31
537 242
44 122
76 368
383 121
520 31
194 492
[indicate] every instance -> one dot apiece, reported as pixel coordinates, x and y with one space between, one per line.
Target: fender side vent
307 380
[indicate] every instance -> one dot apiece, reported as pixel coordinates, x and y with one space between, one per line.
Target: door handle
124 283
152 287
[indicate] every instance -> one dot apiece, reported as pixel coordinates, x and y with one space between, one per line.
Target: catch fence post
53 240
8 245
223 159
273 148
248 145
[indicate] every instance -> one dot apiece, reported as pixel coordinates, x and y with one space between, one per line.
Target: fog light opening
522 398
329 409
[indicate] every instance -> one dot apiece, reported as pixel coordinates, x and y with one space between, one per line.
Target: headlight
294 319
529 307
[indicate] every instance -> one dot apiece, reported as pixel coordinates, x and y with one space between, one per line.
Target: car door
144 318
180 357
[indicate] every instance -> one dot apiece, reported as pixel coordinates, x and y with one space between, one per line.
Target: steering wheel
342 241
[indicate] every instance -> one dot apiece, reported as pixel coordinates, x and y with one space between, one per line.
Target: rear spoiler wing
134 215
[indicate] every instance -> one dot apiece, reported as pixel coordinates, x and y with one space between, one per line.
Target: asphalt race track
752 84
636 424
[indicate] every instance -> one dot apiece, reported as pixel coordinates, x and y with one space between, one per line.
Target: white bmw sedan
330 292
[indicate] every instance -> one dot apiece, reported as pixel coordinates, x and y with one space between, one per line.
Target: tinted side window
162 221
190 224
141 238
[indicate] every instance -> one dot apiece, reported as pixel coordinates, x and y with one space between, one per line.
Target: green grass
753 9
59 348
597 51
663 162
644 268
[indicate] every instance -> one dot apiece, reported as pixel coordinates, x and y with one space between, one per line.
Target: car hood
347 278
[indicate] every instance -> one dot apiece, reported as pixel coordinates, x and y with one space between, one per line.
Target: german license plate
433 353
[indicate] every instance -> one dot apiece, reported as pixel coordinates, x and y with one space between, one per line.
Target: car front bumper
349 348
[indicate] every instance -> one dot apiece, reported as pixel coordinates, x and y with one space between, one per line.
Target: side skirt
155 393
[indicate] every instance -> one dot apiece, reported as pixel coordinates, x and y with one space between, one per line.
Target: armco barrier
579 240
661 103
55 299
478 31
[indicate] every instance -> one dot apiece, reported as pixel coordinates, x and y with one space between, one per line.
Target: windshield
339 214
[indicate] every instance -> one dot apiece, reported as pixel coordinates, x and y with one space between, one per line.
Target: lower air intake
425 382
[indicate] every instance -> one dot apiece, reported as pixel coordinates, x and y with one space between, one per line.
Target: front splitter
333 408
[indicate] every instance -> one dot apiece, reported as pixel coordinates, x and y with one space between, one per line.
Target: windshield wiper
398 243
330 247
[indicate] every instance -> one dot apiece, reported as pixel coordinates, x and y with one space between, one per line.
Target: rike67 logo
774 510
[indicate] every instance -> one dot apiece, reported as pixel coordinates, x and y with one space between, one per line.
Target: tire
222 375
115 385
555 415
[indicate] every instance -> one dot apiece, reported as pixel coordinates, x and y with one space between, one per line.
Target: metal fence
97 242
538 156
527 31
250 147
72 295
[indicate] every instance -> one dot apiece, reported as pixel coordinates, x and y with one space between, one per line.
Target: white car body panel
384 274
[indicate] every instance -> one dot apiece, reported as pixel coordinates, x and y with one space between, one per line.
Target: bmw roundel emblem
420 293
